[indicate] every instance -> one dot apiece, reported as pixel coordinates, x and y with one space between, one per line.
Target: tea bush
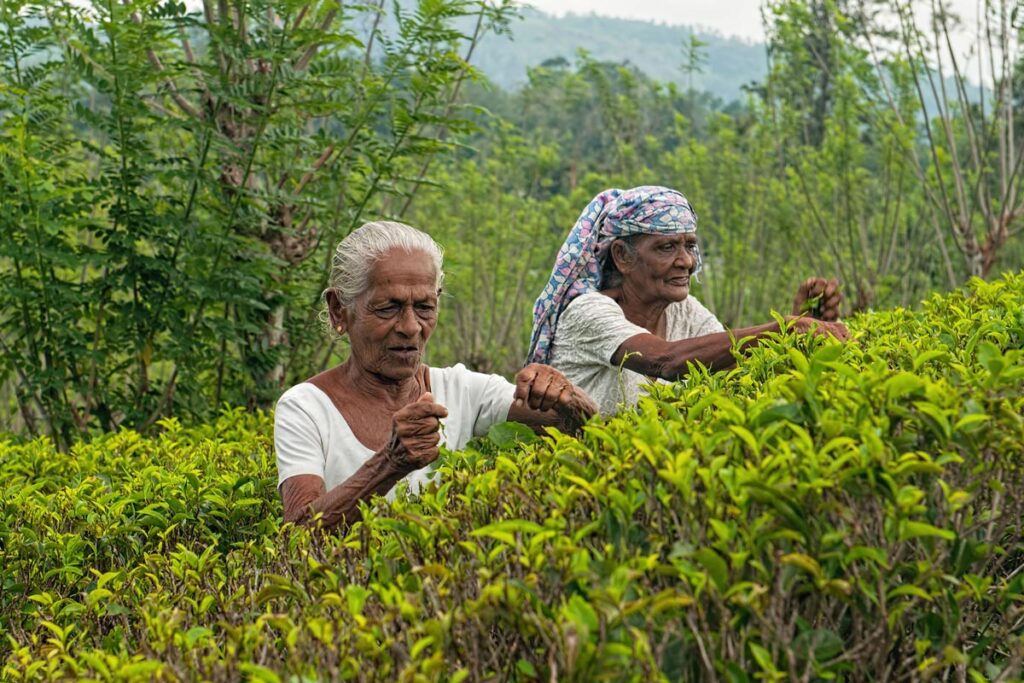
821 511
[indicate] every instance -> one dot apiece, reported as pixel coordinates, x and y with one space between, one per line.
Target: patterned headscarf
645 210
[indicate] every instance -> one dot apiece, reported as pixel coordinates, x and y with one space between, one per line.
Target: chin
677 295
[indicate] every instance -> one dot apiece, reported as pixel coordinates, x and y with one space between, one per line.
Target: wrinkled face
660 266
388 325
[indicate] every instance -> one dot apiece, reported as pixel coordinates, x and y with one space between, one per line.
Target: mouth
404 351
682 281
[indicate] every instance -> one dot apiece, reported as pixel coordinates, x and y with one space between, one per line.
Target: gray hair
356 255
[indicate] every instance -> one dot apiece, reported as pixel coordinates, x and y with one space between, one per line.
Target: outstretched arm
653 356
544 397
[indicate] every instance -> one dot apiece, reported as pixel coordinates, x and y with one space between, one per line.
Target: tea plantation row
822 511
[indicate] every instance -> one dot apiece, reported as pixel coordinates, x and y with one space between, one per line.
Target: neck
394 393
638 310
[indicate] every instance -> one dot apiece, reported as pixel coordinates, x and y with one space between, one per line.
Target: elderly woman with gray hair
358 429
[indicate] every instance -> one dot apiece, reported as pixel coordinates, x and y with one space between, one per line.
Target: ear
621 256
338 313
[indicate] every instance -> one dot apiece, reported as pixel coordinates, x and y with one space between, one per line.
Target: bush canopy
821 511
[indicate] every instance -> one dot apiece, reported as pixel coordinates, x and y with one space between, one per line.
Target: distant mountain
656 49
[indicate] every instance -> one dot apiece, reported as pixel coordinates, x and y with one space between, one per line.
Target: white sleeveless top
312 437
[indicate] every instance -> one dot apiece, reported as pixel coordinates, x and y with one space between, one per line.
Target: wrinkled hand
415 434
802 324
819 298
543 388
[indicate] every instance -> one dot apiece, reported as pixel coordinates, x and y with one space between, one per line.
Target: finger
524 380
547 387
541 385
420 411
800 298
803 289
424 442
831 287
832 298
553 396
426 397
418 428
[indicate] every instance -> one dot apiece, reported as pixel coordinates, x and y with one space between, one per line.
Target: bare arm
413 445
653 356
305 495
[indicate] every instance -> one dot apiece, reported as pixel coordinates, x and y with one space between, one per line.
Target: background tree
968 158
176 181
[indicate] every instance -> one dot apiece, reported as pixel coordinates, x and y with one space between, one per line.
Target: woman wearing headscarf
617 312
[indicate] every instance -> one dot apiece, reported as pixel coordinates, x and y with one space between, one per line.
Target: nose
407 323
687 258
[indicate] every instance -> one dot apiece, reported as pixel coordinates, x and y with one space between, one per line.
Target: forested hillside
726 64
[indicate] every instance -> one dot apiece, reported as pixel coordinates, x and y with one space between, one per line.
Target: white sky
740 18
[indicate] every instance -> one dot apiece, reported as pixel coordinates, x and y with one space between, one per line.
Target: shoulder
590 310
458 378
592 301
303 398
693 303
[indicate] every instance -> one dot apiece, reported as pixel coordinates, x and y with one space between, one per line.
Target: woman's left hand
542 388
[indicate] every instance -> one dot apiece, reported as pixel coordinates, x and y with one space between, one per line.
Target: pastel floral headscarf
645 210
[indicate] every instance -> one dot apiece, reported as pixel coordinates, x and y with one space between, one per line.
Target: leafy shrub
821 511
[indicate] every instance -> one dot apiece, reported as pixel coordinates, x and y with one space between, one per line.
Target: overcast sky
728 17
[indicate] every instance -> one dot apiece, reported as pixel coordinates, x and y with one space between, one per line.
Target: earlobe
337 312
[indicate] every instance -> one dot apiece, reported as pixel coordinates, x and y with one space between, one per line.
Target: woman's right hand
819 298
415 434
802 324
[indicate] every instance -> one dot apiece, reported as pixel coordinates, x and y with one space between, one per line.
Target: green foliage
174 178
821 511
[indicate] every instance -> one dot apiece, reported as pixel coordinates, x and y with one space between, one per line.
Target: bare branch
317 165
303 61
154 61
442 131
378 13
